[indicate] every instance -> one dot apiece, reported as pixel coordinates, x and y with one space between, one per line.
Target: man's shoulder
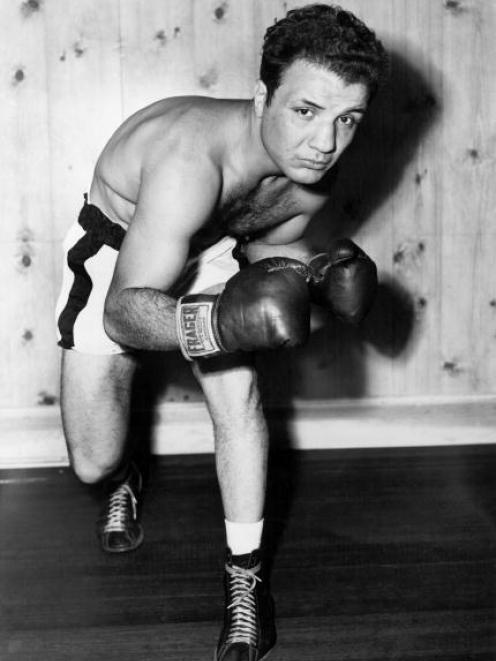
188 127
185 114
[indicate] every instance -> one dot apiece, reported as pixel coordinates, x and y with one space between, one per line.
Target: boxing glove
264 306
344 279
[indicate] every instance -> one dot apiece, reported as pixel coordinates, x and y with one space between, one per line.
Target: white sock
243 537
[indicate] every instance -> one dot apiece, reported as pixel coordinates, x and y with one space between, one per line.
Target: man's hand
264 306
344 279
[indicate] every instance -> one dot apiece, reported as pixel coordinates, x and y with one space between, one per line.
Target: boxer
193 239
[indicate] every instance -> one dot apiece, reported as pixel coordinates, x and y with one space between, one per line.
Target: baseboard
33 437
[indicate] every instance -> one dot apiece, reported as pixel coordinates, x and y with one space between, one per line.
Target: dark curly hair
325 35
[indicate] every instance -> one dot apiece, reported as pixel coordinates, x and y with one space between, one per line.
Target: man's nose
324 139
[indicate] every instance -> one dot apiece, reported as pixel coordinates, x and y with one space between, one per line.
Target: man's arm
176 199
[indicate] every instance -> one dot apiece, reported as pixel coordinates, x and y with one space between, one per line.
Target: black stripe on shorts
99 231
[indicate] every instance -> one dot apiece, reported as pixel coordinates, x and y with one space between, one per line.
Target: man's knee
95 405
93 469
232 391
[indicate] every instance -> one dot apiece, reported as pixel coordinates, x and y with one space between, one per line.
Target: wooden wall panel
416 189
225 49
171 49
415 203
25 198
28 355
84 90
157 51
29 367
467 161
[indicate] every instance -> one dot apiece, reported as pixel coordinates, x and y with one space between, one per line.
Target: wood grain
416 188
383 554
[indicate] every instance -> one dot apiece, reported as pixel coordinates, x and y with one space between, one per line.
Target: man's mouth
315 165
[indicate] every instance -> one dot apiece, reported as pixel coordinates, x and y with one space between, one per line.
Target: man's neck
249 156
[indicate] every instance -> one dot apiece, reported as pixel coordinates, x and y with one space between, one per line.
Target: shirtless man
181 185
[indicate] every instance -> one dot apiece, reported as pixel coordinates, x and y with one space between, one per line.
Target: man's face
311 119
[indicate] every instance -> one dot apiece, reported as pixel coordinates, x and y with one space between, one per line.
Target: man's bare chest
248 211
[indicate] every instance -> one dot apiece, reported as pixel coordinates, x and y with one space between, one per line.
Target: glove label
195 329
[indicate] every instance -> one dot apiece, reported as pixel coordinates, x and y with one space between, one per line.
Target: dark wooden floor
379 554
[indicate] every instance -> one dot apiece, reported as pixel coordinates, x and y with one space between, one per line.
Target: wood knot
452 367
220 11
46 399
419 176
30 7
161 37
209 78
19 76
78 49
455 7
410 251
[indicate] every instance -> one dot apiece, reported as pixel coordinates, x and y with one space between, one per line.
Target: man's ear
259 98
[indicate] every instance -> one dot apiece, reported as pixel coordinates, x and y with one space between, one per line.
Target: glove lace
242 583
118 508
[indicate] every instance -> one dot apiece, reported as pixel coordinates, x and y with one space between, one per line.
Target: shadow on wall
333 365
369 172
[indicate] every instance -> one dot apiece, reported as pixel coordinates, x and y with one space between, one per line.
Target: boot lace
242 583
118 508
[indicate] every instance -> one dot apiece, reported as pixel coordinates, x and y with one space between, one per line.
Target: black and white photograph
248 330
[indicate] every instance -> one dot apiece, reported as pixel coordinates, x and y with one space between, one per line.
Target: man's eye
306 113
348 120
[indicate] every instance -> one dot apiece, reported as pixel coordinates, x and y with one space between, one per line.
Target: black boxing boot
118 527
249 631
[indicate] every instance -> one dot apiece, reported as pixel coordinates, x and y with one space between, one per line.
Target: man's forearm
142 318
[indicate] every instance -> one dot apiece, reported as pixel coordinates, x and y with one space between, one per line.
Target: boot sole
262 658
127 549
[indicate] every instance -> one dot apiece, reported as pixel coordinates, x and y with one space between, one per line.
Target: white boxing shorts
90 249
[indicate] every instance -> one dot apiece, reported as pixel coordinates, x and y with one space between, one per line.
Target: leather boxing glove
344 279
264 306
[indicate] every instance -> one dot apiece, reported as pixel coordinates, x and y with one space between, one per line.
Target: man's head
320 67
327 36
